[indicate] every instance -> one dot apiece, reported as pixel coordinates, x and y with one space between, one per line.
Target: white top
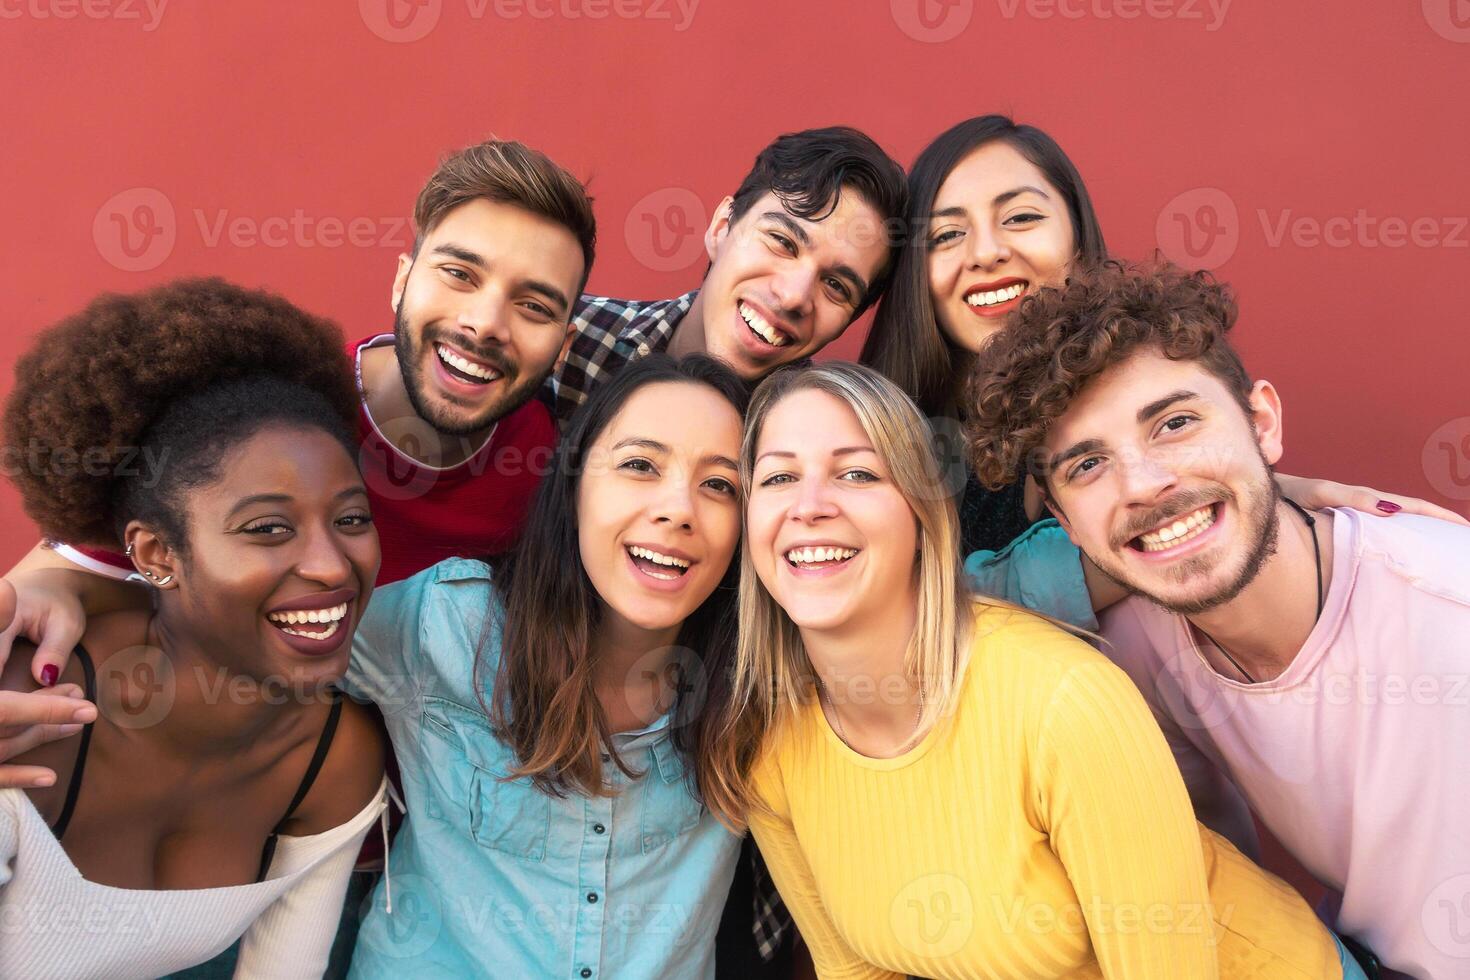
1356 756
56 924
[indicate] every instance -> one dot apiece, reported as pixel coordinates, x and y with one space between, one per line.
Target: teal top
1041 570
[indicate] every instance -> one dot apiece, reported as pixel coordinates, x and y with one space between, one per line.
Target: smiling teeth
330 631
1180 531
813 556
996 296
454 360
657 558
762 327
299 616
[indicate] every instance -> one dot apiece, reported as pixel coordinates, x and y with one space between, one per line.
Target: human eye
266 527
859 476
360 519
778 479
721 485
1084 468
944 237
785 244
1025 218
839 289
1177 423
638 464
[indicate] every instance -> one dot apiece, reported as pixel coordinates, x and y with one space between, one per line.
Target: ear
719 227
566 345
1267 419
400 279
151 555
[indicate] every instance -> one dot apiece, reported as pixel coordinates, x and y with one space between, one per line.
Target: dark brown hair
508 172
544 706
175 375
905 343
1062 338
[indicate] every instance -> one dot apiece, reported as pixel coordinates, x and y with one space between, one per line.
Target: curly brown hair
94 389
1062 338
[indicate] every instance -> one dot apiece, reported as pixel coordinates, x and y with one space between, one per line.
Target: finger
43 709
7 602
59 637
1413 505
29 738
26 777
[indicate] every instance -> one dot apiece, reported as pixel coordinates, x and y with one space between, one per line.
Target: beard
449 419
1258 511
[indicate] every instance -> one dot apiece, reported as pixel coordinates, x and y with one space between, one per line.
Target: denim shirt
491 877
1041 570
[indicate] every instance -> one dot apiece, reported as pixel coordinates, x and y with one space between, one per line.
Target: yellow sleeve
1119 818
777 840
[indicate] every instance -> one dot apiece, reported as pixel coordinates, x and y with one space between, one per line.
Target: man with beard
453 441
1315 662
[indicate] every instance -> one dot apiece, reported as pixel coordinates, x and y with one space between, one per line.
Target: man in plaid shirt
800 250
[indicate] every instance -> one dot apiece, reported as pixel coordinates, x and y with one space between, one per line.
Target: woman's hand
1317 494
42 606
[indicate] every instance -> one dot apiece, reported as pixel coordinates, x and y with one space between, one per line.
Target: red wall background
1315 155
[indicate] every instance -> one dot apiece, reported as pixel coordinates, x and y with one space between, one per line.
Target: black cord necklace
1317 557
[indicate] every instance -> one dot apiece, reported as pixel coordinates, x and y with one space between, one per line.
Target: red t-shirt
423 514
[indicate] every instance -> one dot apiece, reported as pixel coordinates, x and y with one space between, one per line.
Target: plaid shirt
610 333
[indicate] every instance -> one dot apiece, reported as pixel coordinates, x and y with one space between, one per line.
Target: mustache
1183 502
493 356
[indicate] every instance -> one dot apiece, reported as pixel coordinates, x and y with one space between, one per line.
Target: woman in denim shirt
551 715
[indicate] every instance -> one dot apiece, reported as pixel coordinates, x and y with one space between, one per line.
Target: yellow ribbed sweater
1040 830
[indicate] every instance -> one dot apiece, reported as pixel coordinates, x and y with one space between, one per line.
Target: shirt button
592 897
598 828
586 971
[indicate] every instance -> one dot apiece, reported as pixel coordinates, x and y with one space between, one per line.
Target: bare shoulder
350 775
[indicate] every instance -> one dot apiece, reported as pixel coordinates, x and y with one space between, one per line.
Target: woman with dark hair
997 211
207 430
554 717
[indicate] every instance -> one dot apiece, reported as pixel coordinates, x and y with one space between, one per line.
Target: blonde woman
950 786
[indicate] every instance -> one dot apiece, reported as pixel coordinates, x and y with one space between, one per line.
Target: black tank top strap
323 745
74 788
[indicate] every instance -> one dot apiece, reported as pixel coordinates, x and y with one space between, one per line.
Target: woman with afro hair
207 430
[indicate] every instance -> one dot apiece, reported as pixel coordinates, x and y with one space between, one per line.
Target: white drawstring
387 864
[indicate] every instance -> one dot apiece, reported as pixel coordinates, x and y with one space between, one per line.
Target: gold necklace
842 733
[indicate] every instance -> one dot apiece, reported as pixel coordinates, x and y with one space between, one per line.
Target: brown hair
1062 338
508 172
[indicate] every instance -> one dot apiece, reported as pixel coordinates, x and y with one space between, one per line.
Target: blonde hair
773 675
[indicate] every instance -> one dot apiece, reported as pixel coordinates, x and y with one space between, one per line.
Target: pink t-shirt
1358 756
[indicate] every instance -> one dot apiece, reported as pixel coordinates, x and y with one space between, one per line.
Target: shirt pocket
507 815
669 807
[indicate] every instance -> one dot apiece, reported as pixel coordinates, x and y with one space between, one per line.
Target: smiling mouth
1184 528
982 298
463 369
658 565
313 624
820 557
763 329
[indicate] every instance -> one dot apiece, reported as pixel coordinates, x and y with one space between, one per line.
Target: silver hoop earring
165 580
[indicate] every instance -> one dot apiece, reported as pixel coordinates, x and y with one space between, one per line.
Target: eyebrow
799 233
286 498
958 211
470 257
654 446
1144 414
844 451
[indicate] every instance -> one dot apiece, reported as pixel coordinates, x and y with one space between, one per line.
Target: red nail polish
1389 507
48 675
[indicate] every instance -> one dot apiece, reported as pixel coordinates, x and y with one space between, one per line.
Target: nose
794 287
1146 477
322 559
675 505
987 247
814 502
487 314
